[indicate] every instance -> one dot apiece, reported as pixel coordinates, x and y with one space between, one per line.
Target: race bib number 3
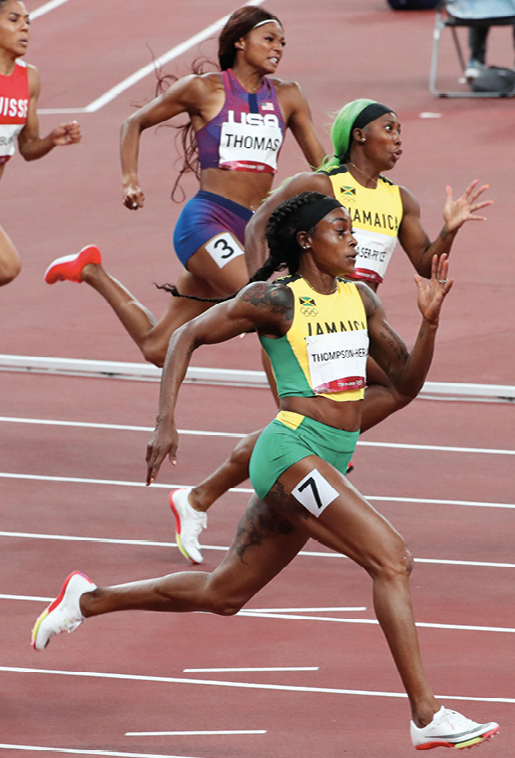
338 361
315 493
223 248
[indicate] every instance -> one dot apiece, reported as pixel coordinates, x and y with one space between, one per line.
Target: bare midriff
339 415
243 187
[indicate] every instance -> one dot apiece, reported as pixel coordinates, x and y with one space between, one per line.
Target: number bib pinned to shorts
223 249
337 361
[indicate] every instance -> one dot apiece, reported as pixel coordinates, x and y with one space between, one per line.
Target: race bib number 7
315 493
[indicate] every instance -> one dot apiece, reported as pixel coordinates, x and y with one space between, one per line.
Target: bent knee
395 565
223 595
226 606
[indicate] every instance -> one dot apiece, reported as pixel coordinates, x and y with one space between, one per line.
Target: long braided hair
281 235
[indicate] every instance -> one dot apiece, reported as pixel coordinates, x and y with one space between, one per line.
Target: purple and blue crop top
247 133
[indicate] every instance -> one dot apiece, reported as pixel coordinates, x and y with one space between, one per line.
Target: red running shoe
70 266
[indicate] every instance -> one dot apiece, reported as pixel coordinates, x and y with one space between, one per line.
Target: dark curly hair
281 235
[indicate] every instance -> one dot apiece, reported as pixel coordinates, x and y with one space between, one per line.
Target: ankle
90 272
198 500
422 715
86 603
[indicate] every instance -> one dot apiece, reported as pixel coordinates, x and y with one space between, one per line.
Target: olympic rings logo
309 311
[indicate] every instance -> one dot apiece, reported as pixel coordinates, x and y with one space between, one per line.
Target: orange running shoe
70 266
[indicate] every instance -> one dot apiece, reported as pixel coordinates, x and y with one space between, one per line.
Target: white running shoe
188 525
451 729
63 614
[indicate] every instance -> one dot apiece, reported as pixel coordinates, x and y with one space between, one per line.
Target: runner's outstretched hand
457 212
432 292
164 441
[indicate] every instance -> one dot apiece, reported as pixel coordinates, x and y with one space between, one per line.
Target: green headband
358 113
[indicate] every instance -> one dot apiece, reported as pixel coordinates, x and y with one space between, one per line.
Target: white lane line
238 685
421 624
80 480
27 597
150 68
306 610
46 8
269 668
203 433
75 751
245 490
189 734
295 617
438 448
432 501
158 62
120 427
304 553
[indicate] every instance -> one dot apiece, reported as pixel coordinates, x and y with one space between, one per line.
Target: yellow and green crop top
325 350
376 216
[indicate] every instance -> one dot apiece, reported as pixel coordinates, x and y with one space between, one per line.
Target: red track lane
57 205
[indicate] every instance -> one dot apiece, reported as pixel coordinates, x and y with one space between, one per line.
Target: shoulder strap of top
341 169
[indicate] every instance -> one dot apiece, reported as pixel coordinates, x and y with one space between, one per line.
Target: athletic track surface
72 494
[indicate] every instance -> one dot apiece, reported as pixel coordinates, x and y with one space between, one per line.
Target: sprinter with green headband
366 142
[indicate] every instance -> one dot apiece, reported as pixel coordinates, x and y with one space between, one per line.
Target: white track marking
46 8
294 617
244 490
306 610
375 622
446 391
117 427
238 685
429 501
269 668
190 734
133 79
204 433
305 553
75 751
437 448
79 480
27 597
175 52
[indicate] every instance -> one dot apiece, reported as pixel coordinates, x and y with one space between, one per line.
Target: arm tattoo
276 297
392 339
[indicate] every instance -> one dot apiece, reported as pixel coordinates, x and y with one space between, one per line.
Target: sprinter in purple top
238 117
247 133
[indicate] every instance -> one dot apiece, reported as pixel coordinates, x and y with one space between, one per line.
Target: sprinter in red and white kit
19 92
